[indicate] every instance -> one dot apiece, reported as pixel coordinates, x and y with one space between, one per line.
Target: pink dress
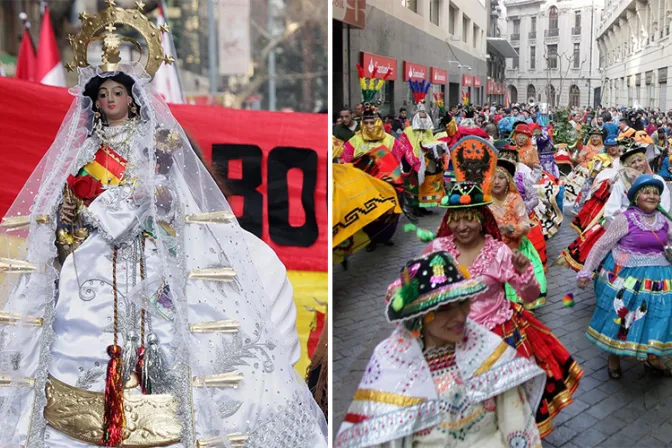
517 326
491 308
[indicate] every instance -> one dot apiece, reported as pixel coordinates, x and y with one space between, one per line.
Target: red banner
276 172
489 87
370 61
477 82
438 76
414 72
467 81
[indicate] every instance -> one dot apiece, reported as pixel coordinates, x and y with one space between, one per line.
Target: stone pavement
631 412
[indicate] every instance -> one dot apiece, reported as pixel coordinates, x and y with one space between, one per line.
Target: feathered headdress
419 90
370 86
438 98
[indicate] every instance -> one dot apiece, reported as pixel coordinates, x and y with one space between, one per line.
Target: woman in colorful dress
524 181
470 234
635 158
616 183
632 282
432 382
577 178
509 210
608 160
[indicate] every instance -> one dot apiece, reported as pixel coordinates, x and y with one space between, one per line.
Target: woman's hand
583 282
520 262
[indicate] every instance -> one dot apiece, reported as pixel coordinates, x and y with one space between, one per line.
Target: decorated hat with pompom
465 194
427 283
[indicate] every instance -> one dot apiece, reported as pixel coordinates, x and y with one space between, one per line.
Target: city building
558 60
499 49
441 41
634 41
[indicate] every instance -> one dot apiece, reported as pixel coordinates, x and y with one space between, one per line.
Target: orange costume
527 152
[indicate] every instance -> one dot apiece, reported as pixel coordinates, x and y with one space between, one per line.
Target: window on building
516 60
516 26
574 96
577 19
533 25
465 28
452 18
434 12
552 56
553 18
410 4
476 35
651 89
577 56
533 59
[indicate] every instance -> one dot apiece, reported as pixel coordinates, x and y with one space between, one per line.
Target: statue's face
595 139
113 101
521 139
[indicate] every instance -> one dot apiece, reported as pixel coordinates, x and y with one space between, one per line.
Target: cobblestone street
630 412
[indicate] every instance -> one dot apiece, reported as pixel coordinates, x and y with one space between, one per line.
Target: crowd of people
469 364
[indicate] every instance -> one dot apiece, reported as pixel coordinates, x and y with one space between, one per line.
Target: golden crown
106 21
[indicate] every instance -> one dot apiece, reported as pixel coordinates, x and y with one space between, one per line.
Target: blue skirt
633 316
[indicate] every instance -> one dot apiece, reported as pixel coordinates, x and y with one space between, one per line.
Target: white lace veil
274 403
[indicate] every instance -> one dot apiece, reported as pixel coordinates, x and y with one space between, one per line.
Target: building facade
441 41
634 42
558 59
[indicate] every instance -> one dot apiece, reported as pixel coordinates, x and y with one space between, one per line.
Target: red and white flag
167 79
49 69
27 60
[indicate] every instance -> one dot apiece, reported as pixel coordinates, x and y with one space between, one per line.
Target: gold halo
105 20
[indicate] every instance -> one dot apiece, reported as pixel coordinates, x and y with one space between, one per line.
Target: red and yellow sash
107 168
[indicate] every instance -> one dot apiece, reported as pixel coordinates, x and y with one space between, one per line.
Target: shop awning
501 46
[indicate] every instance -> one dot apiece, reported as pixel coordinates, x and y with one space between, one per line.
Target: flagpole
212 49
164 10
271 59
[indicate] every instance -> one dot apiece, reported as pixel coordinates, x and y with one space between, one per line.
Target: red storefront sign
467 81
414 72
477 82
438 76
500 89
370 61
489 87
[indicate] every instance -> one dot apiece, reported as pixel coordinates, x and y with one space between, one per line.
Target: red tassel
113 423
139 369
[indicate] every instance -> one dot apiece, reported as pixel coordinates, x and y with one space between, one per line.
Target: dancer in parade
522 135
470 234
634 156
632 266
423 167
464 386
524 181
141 313
608 160
368 187
514 225
577 178
549 186
609 199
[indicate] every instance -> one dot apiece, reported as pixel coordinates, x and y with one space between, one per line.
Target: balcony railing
553 32
515 37
576 31
532 35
